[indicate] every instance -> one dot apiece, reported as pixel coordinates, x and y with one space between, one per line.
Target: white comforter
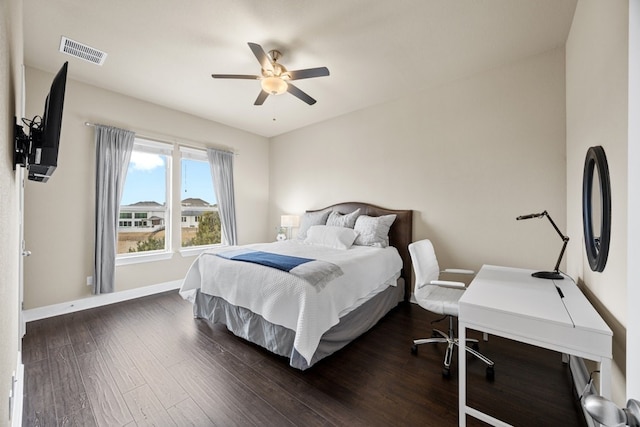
286 300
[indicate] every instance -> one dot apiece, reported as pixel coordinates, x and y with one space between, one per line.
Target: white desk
508 302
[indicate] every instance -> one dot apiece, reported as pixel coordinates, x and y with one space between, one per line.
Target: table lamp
288 221
555 274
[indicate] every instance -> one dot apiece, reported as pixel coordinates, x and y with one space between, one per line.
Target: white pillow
331 236
373 231
309 219
343 220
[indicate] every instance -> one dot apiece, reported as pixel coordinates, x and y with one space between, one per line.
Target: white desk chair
440 297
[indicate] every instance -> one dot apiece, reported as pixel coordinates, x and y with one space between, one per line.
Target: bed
317 307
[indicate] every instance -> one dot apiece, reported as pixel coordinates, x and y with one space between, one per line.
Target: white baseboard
15 397
97 301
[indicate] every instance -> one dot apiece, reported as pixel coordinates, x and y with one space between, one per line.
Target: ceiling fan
275 78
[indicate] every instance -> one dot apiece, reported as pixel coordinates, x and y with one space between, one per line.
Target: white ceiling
164 51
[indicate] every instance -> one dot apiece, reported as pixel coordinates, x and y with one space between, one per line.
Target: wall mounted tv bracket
22 143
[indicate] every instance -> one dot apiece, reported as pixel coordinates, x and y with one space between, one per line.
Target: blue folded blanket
281 262
317 273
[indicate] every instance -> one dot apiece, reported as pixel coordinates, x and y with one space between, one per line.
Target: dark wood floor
148 362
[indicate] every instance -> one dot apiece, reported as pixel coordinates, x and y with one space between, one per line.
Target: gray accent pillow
309 219
373 231
336 219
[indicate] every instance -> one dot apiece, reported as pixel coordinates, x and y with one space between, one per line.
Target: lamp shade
274 85
289 221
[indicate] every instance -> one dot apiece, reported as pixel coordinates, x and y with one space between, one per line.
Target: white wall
10 83
633 244
467 157
597 114
60 213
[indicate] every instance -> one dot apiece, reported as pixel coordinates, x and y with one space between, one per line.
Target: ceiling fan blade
235 76
300 94
261 98
263 58
309 73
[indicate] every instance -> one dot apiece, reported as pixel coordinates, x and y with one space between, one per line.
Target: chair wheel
491 374
475 346
446 372
414 349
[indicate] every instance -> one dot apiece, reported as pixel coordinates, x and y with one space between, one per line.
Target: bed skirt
279 340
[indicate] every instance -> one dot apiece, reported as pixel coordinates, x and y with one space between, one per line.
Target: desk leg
605 378
462 376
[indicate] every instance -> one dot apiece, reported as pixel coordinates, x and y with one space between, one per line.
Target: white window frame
165 149
199 155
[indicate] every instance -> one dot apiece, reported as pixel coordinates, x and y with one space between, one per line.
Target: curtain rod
175 141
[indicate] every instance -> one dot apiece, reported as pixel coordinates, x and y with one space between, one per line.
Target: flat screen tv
38 151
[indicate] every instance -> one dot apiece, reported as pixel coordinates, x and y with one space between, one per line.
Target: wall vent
82 51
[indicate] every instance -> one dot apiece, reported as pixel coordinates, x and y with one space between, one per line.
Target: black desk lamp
555 274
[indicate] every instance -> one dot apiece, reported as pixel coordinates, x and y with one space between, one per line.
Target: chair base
452 342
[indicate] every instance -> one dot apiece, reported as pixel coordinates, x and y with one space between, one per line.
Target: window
146 198
200 223
146 215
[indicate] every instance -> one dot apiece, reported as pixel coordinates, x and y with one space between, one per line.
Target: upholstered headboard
400 233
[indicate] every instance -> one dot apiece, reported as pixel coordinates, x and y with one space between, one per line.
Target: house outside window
200 223
146 198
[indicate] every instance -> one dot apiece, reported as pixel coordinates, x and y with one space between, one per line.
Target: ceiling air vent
82 51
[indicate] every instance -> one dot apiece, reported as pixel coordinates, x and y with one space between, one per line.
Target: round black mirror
596 207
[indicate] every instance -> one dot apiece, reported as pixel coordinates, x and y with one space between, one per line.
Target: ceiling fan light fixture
274 77
274 85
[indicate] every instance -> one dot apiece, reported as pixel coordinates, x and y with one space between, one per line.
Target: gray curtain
221 163
113 152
